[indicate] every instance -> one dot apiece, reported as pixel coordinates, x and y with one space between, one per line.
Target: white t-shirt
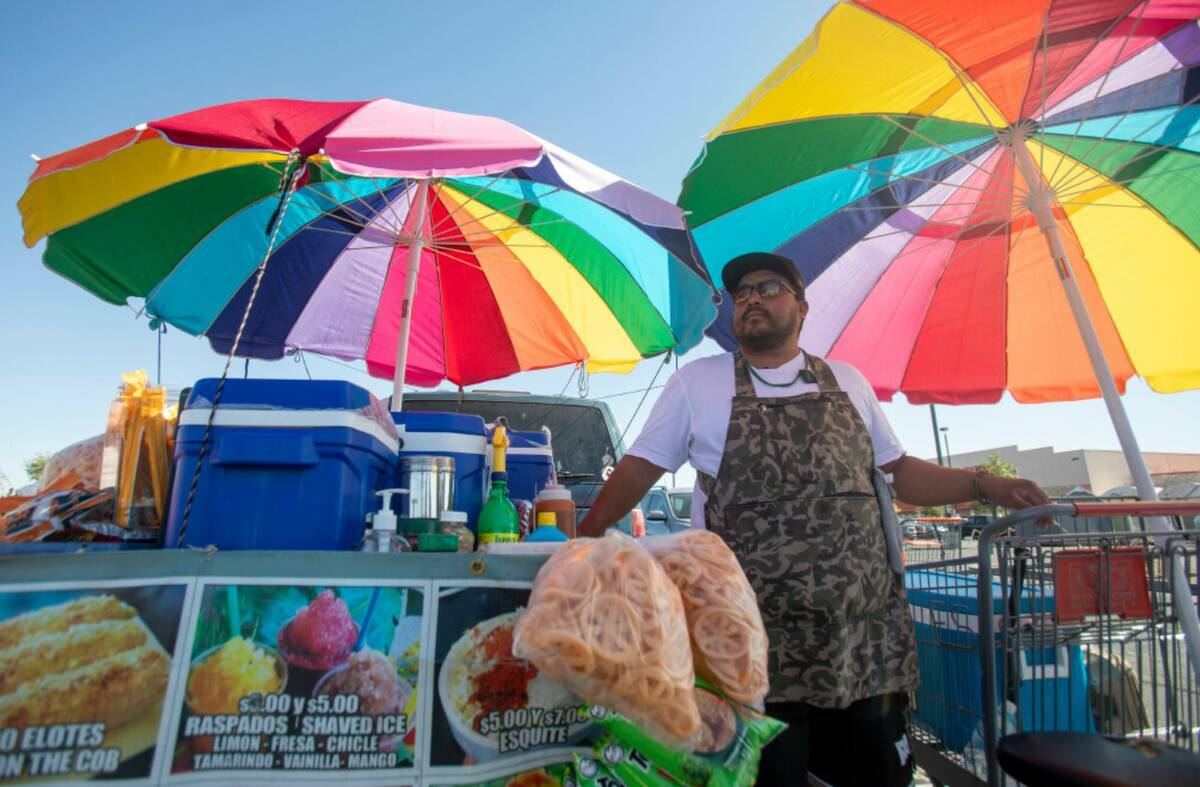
691 416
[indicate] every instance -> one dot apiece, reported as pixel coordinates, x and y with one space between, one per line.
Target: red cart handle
1139 508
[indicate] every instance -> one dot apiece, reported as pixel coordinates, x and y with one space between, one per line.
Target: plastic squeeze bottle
382 536
498 521
556 499
547 529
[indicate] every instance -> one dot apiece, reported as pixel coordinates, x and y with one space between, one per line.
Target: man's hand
1015 493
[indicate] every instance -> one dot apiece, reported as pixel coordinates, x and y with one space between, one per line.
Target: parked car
975 523
918 531
681 502
660 521
658 506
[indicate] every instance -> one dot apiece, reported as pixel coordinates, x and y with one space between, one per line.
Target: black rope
291 177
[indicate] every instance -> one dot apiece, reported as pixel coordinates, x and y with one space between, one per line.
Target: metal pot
430 484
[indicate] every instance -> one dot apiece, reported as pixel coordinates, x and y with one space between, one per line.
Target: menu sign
84 673
301 678
493 706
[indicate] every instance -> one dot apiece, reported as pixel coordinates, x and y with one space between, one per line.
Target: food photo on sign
492 705
83 676
301 678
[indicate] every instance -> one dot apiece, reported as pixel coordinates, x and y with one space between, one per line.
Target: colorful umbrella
887 156
981 197
522 255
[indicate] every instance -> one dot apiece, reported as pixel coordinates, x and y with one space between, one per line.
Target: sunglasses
766 289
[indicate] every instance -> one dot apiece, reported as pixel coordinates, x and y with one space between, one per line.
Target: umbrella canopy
900 156
525 256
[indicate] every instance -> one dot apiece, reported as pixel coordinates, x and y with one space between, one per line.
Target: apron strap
742 384
825 379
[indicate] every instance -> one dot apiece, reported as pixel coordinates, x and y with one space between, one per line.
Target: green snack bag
727 748
614 763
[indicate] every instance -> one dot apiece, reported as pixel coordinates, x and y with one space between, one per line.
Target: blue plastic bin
460 436
292 464
945 607
530 463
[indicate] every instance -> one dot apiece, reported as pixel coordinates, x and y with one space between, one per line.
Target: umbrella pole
1041 196
410 290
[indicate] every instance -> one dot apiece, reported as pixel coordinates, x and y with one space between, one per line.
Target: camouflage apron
795 500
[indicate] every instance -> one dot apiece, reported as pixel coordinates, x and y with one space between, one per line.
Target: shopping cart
1083 632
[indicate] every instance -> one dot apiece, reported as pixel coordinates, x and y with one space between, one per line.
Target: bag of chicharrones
726 751
606 622
729 642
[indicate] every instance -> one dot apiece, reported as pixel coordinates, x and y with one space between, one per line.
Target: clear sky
629 84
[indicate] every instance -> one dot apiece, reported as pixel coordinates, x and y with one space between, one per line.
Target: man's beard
770 336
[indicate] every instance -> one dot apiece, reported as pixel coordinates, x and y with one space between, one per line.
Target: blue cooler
530 462
458 435
945 608
291 464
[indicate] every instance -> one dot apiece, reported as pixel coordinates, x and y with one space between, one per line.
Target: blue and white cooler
460 436
291 464
1053 680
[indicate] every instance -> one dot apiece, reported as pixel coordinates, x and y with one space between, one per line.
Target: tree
997 466
36 466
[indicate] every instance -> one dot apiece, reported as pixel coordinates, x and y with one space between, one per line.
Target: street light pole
946 437
936 440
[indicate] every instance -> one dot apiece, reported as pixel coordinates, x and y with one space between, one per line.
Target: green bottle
498 520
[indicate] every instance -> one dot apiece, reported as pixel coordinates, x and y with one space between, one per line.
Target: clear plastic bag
729 641
82 458
606 622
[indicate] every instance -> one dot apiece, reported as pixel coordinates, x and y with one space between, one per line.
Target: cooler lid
433 421
282 394
518 439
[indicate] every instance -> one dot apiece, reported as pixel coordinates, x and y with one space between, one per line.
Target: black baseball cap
739 266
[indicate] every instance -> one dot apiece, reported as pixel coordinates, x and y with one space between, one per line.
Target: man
785 447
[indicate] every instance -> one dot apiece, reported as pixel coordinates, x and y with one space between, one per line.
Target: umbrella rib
367 232
343 208
516 224
1077 161
470 247
958 73
391 205
914 247
1068 182
1045 79
370 215
365 218
940 146
1109 182
1100 89
461 205
919 179
484 235
1096 41
1099 204
990 202
880 190
458 256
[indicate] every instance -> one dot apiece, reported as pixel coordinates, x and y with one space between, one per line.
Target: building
1058 472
